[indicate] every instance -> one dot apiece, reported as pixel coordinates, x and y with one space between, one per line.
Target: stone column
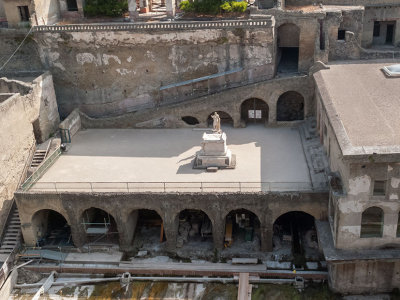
81 5
78 235
218 234
170 6
171 233
126 230
266 238
132 9
144 6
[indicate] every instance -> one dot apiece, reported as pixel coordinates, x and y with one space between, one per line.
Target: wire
2 67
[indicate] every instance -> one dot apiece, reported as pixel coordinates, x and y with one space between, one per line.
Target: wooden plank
45 287
244 292
245 261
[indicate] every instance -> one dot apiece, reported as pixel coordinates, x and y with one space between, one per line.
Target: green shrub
239 6
226 6
108 8
187 6
235 6
201 6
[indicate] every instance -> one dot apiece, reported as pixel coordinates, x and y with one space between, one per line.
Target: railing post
127 186
201 186
240 186
164 187
55 186
91 187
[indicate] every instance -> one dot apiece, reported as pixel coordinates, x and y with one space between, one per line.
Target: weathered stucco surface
134 65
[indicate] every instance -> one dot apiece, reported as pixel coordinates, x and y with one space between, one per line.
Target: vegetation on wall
107 8
212 6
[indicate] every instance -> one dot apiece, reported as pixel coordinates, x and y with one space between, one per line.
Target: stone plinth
214 152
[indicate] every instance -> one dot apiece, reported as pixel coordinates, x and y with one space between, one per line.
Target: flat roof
166 155
363 106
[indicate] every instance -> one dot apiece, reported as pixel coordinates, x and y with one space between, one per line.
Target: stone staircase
12 233
38 157
315 155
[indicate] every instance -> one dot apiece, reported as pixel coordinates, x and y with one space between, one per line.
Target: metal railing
185 25
30 181
166 187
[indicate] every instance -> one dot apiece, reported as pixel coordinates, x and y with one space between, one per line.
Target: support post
170 6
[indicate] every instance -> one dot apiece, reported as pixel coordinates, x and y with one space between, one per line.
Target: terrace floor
110 158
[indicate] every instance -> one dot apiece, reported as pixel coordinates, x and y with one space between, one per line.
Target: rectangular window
379 188
377 28
341 34
24 13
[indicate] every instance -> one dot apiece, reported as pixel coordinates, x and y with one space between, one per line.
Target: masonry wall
26 61
228 101
134 65
364 276
268 207
12 12
47 12
28 103
386 13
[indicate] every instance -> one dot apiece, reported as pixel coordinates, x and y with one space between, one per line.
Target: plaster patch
89 58
390 168
150 55
107 57
395 182
125 71
393 197
350 206
359 185
59 65
351 231
129 59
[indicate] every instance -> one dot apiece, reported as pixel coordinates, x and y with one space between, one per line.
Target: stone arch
242 225
254 110
226 118
100 225
190 120
141 222
295 230
290 107
51 228
195 224
288 48
372 222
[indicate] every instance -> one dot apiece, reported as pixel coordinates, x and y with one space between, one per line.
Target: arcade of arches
293 230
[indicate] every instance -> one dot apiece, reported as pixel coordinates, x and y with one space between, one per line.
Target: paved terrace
268 159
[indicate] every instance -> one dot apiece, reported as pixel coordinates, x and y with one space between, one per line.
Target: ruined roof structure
112 161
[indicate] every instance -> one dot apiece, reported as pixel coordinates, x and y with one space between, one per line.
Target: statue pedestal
214 152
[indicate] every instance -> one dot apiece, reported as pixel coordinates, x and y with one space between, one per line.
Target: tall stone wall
26 60
27 115
127 68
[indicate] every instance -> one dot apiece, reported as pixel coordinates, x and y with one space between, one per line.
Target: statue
216 122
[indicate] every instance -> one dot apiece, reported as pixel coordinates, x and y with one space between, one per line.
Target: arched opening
290 107
190 120
295 237
100 226
148 230
51 229
254 111
242 230
226 119
194 230
72 5
288 48
372 222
